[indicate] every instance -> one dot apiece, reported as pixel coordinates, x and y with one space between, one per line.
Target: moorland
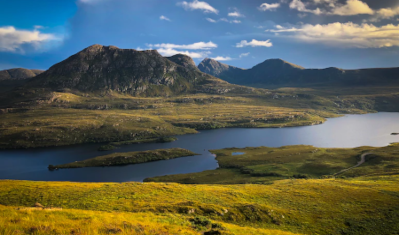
117 96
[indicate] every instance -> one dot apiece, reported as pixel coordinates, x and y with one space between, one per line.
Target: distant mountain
134 72
18 74
183 60
220 70
279 73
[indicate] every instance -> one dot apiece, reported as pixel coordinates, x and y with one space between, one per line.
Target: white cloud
194 46
224 20
244 55
385 13
195 50
344 34
13 40
254 43
332 7
235 14
300 6
269 7
162 17
198 5
221 58
352 7
172 52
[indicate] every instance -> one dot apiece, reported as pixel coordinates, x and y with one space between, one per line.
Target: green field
263 165
365 205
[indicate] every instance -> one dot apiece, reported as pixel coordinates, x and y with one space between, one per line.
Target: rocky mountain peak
183 60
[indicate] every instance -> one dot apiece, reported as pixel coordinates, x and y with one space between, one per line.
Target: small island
119 159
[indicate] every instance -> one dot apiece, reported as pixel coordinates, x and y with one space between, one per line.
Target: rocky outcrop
183 60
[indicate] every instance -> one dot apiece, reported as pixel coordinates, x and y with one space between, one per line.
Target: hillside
11 78
101 68
19 74
279 73
313 206
220 70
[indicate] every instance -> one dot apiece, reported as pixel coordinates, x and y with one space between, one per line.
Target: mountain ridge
277 72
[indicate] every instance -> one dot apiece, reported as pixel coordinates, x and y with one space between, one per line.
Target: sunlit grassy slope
314 206
265 165
40 118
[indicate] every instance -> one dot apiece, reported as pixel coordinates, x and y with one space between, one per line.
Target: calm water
348 131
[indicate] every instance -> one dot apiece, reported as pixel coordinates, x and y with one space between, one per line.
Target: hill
367 205
19 74
279 73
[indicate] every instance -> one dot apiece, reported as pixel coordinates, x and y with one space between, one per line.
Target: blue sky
311 33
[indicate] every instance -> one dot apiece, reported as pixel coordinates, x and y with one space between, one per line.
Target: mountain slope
277 72
220 70
18 74
99 68
184 61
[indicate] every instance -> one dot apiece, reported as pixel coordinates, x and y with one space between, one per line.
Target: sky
348 34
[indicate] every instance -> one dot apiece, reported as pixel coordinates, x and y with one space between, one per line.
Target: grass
365 205
40 118
266 165
117 159
30 221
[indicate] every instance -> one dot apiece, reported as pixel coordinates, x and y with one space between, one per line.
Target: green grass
365 205
266 165
117 159
41 118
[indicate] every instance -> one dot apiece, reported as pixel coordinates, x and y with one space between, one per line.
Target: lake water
349 131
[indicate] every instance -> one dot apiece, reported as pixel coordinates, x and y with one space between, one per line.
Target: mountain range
280 73
99 68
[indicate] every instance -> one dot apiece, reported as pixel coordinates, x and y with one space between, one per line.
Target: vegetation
117 159
266 165
66 118
364 205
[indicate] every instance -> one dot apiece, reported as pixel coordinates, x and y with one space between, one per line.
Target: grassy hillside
266 165
314 206
42 118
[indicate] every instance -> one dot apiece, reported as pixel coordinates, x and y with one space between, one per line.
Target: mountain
18 74
278 73
99 68
220 70
183 60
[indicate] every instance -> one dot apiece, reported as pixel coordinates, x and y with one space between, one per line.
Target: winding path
362 160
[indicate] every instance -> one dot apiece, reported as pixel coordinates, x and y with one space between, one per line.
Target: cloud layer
343 34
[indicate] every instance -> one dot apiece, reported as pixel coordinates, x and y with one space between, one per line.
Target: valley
120 115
